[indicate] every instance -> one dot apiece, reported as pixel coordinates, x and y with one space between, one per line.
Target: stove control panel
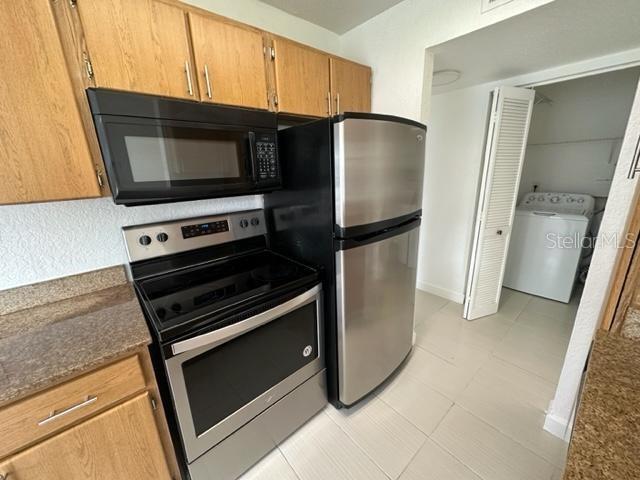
159 239
208 228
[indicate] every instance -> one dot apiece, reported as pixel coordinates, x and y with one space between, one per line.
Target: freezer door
379 167
375 290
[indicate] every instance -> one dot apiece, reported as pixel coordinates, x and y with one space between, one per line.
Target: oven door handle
225 334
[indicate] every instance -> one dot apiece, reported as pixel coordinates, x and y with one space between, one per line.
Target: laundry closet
574 141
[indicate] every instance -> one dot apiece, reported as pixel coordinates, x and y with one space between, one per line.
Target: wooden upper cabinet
230 62
302 79
138 45
120 443
44 154
350 86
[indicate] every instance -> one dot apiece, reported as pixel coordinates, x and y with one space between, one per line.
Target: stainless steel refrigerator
351 205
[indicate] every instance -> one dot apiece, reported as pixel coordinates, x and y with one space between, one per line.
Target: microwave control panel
267 157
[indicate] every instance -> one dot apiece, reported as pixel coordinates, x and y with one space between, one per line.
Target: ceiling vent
491 4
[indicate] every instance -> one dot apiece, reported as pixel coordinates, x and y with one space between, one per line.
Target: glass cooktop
182 300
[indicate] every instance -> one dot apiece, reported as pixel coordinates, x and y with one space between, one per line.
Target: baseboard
456 297
558 427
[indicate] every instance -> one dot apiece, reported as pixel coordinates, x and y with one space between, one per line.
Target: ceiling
559 33
339 16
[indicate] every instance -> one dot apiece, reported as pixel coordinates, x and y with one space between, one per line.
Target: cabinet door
138 45
44 154
350 86
120 443
229 62
302 79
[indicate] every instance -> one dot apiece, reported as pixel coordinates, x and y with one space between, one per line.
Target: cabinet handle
54 415
337 103
189 84
208 80
329 103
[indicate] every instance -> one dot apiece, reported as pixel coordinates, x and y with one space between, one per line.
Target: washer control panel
574 203
158 239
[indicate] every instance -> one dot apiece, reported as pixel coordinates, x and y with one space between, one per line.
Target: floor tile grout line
410 421
445 449
295 472
490 353
538 377
359 447
478 474
553 465
424 442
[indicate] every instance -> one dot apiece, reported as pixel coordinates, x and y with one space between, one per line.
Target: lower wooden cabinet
121 443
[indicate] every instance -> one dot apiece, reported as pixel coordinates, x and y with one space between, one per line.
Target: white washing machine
546 243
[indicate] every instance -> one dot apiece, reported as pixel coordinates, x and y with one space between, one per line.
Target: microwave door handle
217 337
252 156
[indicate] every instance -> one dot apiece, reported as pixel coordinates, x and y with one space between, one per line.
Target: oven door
222 379
155 160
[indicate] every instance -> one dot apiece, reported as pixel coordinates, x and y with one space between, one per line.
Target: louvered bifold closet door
506 143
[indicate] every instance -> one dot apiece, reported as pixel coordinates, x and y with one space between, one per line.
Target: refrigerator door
379 165
375 289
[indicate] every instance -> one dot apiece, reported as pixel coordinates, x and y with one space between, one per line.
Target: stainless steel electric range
238 329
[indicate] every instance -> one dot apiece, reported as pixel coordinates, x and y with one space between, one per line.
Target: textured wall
624 193
48 240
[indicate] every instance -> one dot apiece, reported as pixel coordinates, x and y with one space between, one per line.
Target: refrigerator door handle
347 243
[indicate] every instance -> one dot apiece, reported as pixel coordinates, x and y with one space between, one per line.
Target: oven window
221 381
154 159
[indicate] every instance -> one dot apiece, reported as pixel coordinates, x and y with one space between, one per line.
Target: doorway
557 191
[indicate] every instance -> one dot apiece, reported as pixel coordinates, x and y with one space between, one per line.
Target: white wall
48 240
574 142
271 19
454 156
393 43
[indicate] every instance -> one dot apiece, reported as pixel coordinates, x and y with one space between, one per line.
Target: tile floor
468 404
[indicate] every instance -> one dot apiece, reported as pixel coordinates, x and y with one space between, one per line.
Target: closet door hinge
272 52
154 405
73 3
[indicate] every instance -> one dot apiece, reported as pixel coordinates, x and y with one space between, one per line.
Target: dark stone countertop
73 325
606 436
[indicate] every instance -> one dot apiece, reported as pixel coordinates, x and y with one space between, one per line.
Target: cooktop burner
177 301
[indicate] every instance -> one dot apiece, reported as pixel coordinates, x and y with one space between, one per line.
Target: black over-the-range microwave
157 149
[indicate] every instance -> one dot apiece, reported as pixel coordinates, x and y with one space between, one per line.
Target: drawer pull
53 415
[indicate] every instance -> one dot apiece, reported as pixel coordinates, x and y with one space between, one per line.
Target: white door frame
623 195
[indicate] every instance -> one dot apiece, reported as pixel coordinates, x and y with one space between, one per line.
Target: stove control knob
555 199
255 221
244 223
144 240
162 237
581 200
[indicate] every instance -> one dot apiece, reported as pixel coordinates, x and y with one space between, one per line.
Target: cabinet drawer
44 413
